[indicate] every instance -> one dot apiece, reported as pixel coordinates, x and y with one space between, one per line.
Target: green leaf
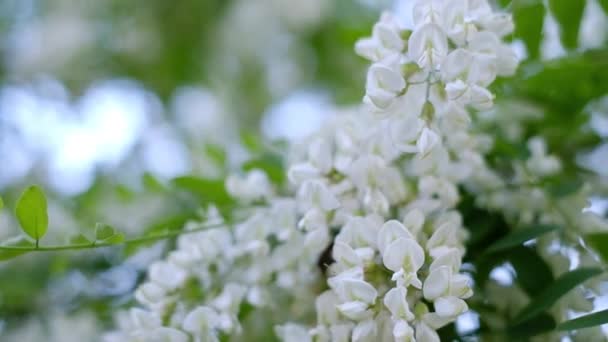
535 326
207 190
19 241
79 239
533 273
32 212
216 153
569 14
563 188
107 234
562 285
604 4
1 203
529 17
151 183
599 242
587 321
519 237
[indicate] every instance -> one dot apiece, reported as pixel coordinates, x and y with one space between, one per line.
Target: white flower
405 257
167 275
253 186
384 82
202 322
403 332
341 332
365 331
450 306
385 40
428 46
391 231
325 305
315 194
427 141
292 333
150 294
396 302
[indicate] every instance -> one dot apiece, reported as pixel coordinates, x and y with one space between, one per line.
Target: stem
93 244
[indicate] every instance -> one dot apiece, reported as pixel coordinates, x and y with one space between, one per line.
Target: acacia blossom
377 186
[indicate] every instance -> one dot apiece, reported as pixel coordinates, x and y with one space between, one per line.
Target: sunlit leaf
552 293
32 212
520 236
591 320
1 203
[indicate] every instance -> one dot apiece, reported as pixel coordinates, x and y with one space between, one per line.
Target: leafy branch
105 243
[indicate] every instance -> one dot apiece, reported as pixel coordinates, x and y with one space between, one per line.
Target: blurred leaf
565 85
107 234
604 4
32 212
599 242
591 320
1 203
20 241
151 183
552 293
519 237
252 142
560 187
216 153
529 18
535 326
207 190
569 15
79 239
533 273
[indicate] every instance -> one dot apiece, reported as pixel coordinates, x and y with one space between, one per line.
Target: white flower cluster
377 186
200 291
385 183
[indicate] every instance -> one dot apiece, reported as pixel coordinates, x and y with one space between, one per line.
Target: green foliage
1 203
604 4
529 18
107 235
206 190
599 242
20 241
521 236
537 325
562 285
587 321
569 15
32 212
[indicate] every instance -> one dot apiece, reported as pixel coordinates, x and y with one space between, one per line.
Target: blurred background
103 102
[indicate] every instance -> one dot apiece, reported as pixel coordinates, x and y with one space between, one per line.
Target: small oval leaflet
32 213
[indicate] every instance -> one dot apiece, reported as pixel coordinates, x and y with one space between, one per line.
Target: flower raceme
377 185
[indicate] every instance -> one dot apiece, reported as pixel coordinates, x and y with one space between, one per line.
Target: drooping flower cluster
377 187
385 182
